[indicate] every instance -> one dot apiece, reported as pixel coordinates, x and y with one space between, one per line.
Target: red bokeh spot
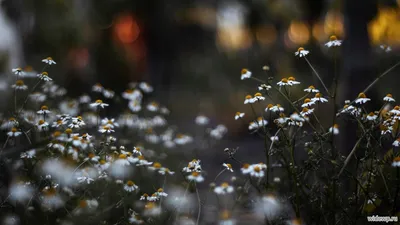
126 28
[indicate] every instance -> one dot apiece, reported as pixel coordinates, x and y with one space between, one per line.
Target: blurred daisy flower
333 42
228 167
44 110
19 85
130 186
389 98
44 76
245 74
202 120
311 89
362 98
318 98
386 48
97 88
223 189
14 132
239 115
196 177
301 52
18 71
334 129
146 88
49 61
98 103
396 162
264 87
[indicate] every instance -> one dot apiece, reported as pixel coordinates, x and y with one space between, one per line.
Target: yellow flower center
56 133
225 185
49 191
292 78
284 80
258 94
229 165
75 138
318 95
68 131
41 122
249 97
237 114
389 95
91 155
130 183
362 95
179 136
122 156
49 58
98 101
311 87
300 49
14 130
396 107
83 204
257 169
28 68
245 166
336 125
160 190
19 82
225 215
45 74
157 165
307 100
11 119
44 107
304 110
333 38
244 71
270 106
102 162
195 174
371 114
396 159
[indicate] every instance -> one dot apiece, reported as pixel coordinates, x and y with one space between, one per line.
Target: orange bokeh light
298 32
126 28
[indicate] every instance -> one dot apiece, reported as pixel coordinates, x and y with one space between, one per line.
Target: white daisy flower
165 170
311 89
396 162
223 189
246 168
274 138
249 99
274 108
395 110
152 107
228 167
306 111
106 129
258 97
307 103
193 166
389 98
44 110
264 87
98 88
122 160
182 139
49 61
202 120
38 97
283 82
28 154
19 85
371 116
319 98
18 71
362 98
130 186
84 99
98 103
44 76
301 52
396 143
132 94
386 48
153 198
135 219
239 115
144 197
292 81
42 125
257 171
333 42
85 179
334 129
109 122
10 123
196 177
160 192
245 74
107 93
134 106
146 88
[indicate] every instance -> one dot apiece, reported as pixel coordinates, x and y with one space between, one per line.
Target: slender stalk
198 199
318 76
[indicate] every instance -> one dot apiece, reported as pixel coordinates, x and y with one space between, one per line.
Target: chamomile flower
38 97
44 110
153 107
202 120
146 88
274 108
362 98
307 103
107 93
19 85
29 72
106 129
92 157
10 123
311 89
160 192
144 197
132 94
42 125
239 115
44 76
182 139
97 88
18 71
301 52
395 110
318 98
264 87
228 167
246 168
98 103
396 143
386 48
14 132
153 198
274 138
109 122
28 154
142 161
389 98
122 160
333 42
292 81
283 82
334 129
84 99
196 177
257 171
134 218
193 166
223 189
165 170
130 186
258 97
134 106
49 61
396 162
155 166
103 165
246 74
249 99
371 116
306 111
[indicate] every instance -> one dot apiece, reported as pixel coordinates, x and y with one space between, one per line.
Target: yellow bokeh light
334 24
385 27
298 32
318 32
233 38
266 35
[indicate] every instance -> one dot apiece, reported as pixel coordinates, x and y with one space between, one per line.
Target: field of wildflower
66 161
